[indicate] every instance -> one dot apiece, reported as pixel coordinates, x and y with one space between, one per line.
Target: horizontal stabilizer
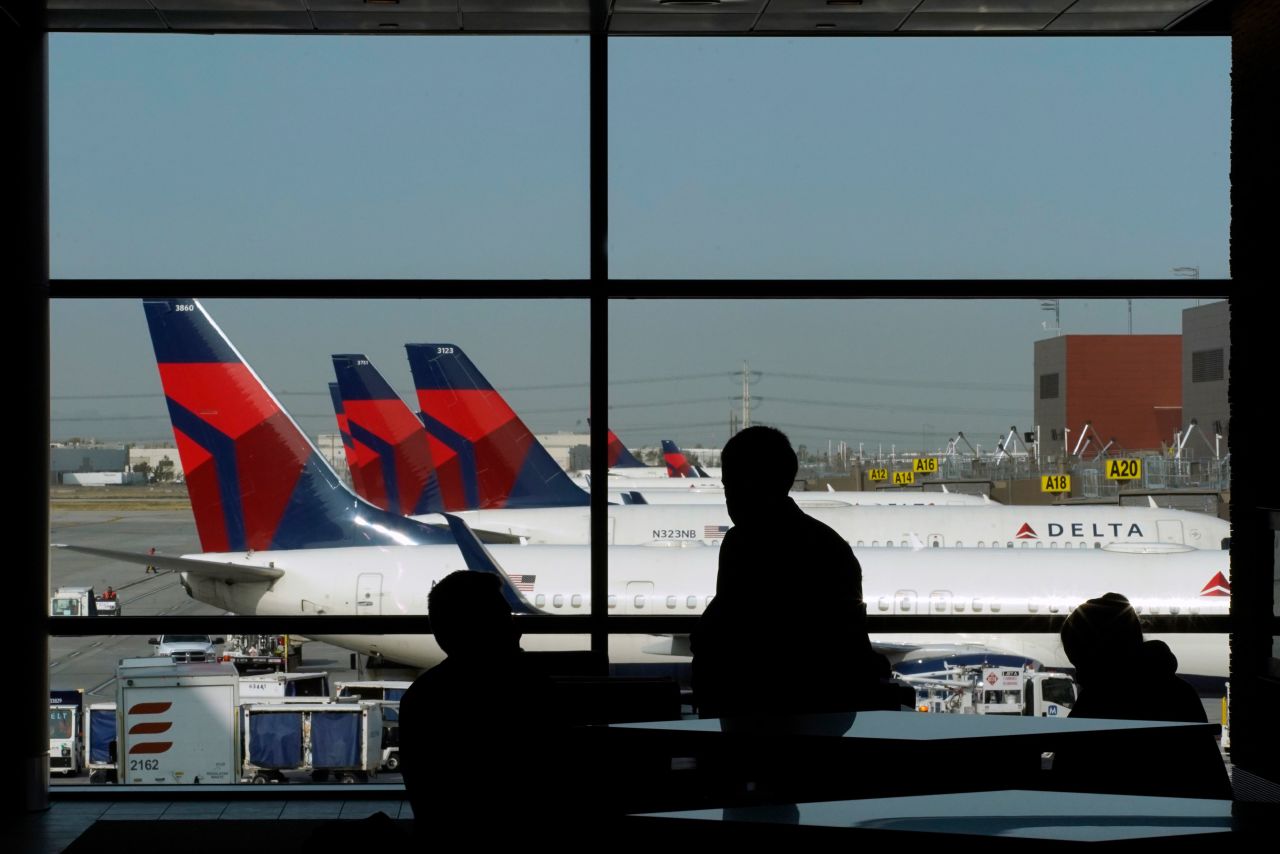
207 569
479 559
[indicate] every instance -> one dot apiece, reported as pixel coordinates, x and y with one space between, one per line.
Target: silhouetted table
1065 816
688 764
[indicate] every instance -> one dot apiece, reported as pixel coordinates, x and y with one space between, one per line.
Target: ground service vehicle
186 648
388 693
284 686
177 722
980 690
263 653
73 602
66 732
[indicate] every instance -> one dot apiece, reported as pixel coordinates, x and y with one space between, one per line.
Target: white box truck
178 723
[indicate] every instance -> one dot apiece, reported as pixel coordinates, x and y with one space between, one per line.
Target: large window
456 166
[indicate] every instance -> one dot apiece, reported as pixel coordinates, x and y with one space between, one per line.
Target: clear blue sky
194 156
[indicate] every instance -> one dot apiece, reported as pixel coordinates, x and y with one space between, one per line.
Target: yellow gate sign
1055 483
924 465
1124 469
877 474
904 478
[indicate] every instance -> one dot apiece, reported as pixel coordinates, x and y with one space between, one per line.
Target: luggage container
100 743
338 740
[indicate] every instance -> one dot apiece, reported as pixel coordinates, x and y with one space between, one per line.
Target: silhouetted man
786 631
1123 677
467 723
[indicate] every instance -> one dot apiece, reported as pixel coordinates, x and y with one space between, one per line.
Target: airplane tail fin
677 464
398 463
348 444
620 457
256 482
502 464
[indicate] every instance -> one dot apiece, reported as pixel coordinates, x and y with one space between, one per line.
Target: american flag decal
523 583
714 532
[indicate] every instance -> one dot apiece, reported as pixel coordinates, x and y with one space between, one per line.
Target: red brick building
1129 387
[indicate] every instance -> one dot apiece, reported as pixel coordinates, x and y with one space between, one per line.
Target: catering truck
177 722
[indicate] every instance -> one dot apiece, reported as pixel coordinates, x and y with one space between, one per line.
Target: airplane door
1170 532
369 594
940 602
904 602
639 597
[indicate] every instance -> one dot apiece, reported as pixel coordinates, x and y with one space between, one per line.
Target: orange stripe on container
154 728
150 708
150 747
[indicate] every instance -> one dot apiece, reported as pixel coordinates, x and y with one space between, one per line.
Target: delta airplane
396 475
282 535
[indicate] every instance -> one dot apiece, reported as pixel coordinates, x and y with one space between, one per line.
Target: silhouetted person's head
469 616
1101 634
758 468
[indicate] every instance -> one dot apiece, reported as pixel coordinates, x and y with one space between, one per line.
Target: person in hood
1120 675
1123 677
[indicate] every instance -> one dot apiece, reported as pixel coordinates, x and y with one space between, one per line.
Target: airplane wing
208 569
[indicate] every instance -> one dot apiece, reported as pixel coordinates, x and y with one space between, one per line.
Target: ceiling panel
874 22
1135 5
99 5
106 19
401 7
1054 6
719 7
239 21
839 7
227 8
579 6
689 22
976 22
393 22
533 22
704 17
1121 22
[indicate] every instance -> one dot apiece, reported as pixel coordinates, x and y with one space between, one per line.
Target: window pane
259 157
197 459
917 427
918 158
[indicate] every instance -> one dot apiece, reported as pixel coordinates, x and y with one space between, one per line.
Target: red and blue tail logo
398 468
348 444
254 479
677 464
501 463
620 457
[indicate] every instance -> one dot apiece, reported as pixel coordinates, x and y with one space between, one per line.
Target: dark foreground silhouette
1123 677
786 631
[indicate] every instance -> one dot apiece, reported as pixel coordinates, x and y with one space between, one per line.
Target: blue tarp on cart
102 731
335 739
275 739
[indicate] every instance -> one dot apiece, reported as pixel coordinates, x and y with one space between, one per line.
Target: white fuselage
371 581
688 492
987 526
